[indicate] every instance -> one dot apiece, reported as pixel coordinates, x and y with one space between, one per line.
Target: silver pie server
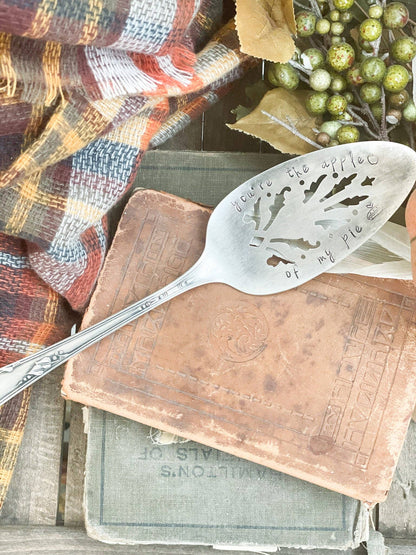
274 232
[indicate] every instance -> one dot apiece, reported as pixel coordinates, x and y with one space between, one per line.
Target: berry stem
383 127
377 46
363 122
391 128
318 46
300 67
347 122
296 3
362 9
366 110
315 8
292 128
302 78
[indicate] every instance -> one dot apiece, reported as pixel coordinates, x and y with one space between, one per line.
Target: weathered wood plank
70 541
397 515
32 497
217 136
188 139
74 515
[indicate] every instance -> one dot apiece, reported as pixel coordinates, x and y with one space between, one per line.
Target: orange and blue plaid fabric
85 87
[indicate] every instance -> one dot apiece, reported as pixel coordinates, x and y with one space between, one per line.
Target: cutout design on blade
296 220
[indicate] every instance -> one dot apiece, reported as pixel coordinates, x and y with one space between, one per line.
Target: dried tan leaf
265 28
281 104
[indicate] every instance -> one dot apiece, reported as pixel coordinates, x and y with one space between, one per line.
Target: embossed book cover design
318 381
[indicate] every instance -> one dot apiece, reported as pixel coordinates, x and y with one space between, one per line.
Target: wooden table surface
43 510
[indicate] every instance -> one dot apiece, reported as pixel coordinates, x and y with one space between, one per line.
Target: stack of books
284 397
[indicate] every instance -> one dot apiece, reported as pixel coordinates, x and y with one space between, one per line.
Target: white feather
385 255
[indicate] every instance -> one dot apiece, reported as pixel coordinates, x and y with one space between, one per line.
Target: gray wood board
203 177
67 541
217 136
74 515
191 138
397 515
32 497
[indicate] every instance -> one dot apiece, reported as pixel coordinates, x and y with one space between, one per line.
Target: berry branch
357 69
290 126
383 130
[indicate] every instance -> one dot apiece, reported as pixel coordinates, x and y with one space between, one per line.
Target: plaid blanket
85 87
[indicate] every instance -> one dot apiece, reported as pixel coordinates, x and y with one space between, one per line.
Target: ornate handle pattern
20 374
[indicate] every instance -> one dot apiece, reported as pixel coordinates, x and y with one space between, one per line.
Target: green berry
305 23
330 127
396 78
375 11
395 15
323 26
338 83
345 17
349 96
337 28
312 58
371 29
319 80
348 134
343 5
409 111
345 116
377 110
283 75
373 69
365 45
334 15
403 49
370 93
316 103
336 104
271 77
340 56
336 40
354 76
399 99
